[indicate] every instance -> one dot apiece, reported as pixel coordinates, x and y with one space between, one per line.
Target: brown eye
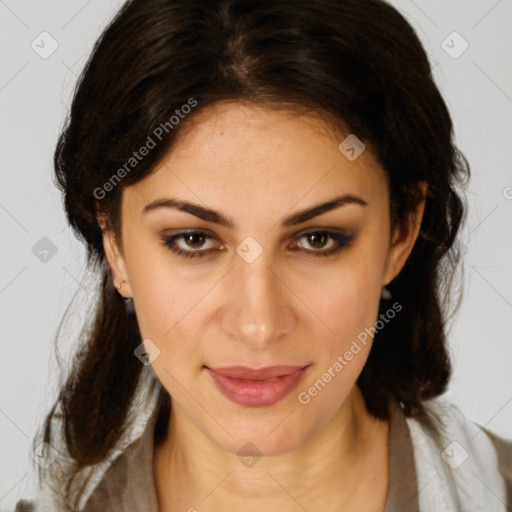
192 243
195 240
318 240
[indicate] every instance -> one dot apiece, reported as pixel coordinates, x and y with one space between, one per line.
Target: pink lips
256 387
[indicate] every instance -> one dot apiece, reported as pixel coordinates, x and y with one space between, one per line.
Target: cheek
161 297
165 305
167 309
349 308
347 301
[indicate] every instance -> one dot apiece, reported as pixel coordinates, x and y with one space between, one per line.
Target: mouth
257 387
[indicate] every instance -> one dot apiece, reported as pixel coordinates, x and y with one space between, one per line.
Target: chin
269 434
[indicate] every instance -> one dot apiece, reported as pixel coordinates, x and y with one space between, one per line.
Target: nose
259 310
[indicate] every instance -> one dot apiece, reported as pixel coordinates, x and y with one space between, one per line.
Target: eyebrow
216 217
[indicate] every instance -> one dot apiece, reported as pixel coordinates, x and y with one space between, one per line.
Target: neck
351 449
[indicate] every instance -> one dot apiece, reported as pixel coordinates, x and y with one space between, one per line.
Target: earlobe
404 238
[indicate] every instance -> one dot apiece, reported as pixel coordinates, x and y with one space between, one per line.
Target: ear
403 239
115 258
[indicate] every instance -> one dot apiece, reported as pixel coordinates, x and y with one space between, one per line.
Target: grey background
34 96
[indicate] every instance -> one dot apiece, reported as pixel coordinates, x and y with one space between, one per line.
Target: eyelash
342 240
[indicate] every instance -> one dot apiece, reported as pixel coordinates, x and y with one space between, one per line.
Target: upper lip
244 372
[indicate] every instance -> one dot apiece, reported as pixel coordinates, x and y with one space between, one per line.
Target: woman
270 192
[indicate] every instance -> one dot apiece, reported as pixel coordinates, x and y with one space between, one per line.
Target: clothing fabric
459 467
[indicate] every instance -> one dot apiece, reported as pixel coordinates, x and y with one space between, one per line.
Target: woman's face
260 282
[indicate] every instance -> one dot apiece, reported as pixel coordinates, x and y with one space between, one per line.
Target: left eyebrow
315 211
216 217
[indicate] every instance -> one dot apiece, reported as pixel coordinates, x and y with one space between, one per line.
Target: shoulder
503 449
57 492
461 461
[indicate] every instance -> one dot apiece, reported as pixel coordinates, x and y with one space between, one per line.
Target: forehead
234 153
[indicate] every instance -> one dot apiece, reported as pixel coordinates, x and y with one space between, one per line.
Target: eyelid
180 235
342 239
322 229
167 234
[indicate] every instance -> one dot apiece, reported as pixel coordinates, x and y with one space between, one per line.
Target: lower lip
257 393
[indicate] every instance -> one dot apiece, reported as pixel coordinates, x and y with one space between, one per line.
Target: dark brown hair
356 62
